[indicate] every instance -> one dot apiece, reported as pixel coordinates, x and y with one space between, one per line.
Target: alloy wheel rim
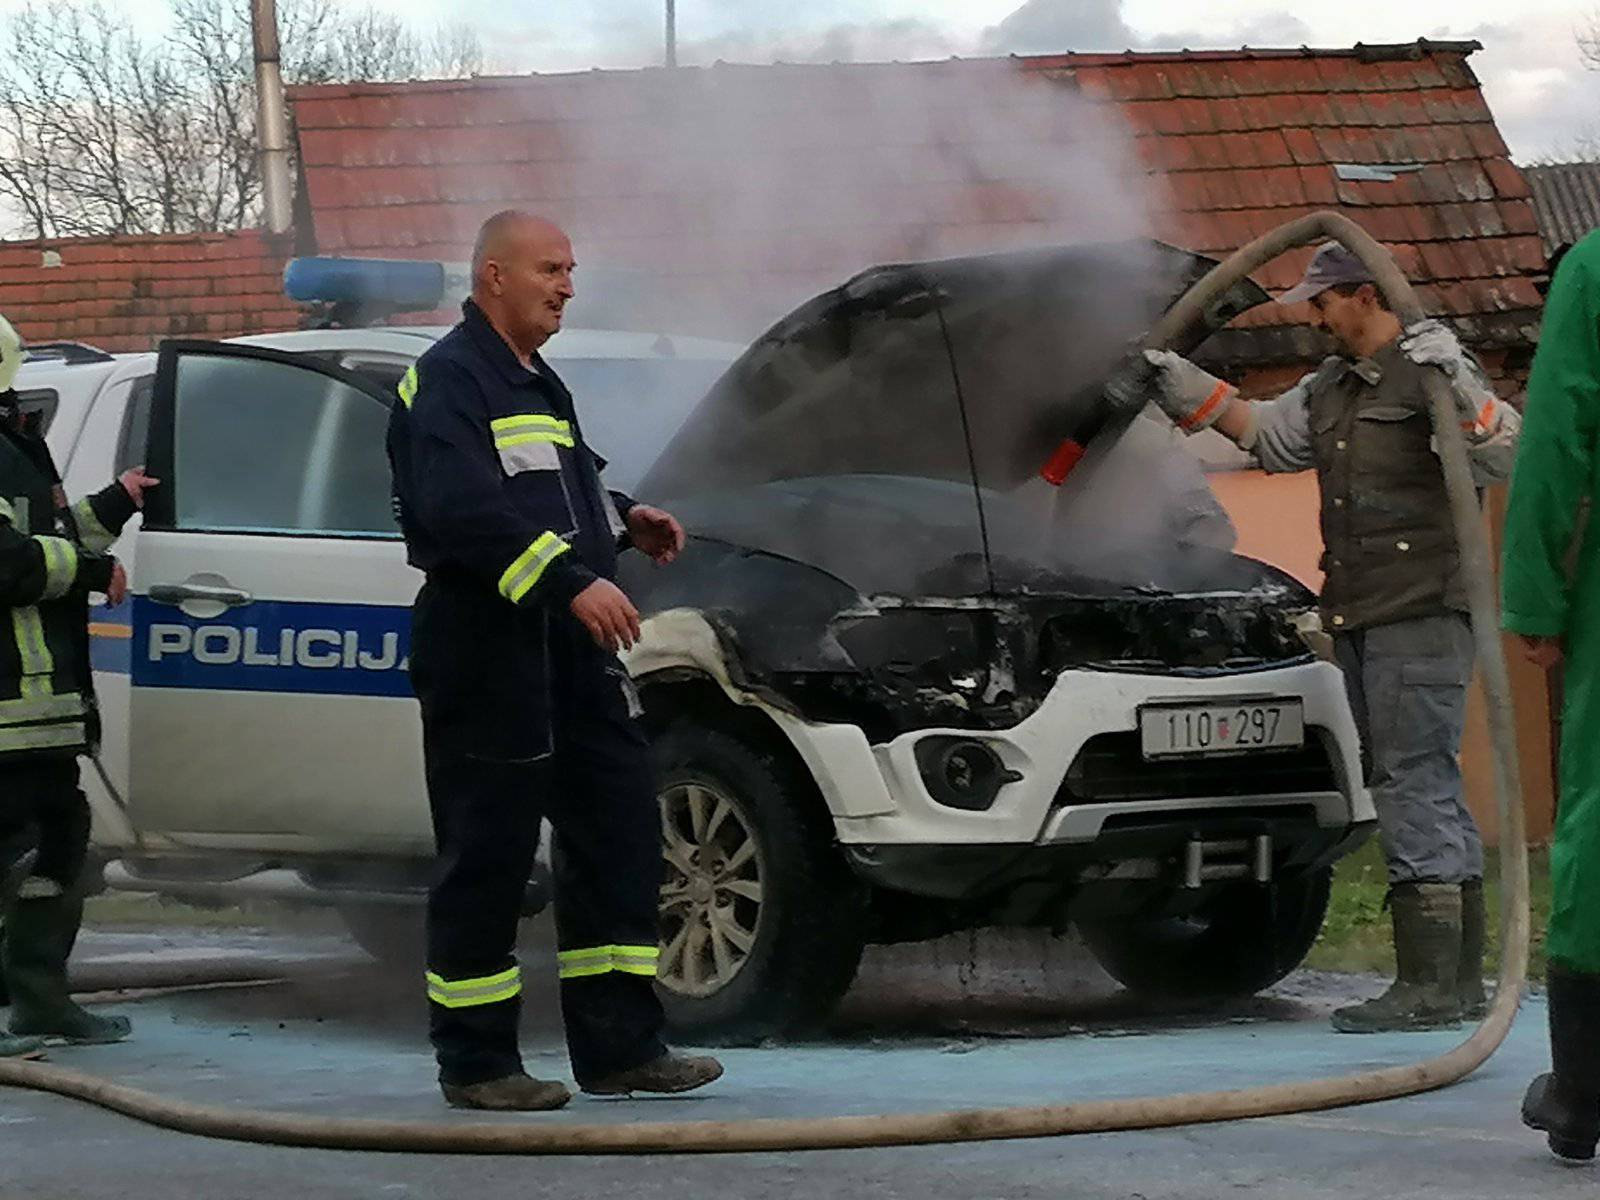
711 889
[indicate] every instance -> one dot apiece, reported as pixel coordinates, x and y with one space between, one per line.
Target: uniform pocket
530 441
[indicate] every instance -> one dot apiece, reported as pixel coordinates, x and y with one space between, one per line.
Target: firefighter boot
1427 946
1565 1103
40 932
1474 935
10 1047
510 1093
667 1074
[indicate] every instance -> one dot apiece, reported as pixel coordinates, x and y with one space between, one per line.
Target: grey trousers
1408 688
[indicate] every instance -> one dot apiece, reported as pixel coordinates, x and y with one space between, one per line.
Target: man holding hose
1394 599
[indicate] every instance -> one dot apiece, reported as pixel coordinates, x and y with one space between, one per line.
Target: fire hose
992 1124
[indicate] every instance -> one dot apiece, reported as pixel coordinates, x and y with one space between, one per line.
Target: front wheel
1240 940
761 920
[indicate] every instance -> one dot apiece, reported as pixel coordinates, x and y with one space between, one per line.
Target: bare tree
102 131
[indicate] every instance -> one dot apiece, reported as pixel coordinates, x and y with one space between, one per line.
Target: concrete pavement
996 1025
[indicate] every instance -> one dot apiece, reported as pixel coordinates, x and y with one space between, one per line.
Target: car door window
135 432
38 407
265 446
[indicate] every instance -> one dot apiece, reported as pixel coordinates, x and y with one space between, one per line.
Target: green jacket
52 555
1543 587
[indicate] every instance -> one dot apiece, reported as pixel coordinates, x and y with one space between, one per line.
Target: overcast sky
1544 100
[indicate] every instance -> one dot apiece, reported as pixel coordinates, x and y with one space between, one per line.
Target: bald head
522 277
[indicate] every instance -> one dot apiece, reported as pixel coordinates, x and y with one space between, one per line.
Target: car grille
1111 767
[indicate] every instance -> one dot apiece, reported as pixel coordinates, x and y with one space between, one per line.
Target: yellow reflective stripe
524 421
43 737
600 960
37 663
530 565
94 535
60 566
41 708
407 387
468 993
505 441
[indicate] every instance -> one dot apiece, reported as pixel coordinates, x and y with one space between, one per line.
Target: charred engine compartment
988 663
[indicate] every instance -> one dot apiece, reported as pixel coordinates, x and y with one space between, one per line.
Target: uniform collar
493 347
1371 369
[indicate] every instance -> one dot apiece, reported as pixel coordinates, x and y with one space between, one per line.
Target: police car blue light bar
401 284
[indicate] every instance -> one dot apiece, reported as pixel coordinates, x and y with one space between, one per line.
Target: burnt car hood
869 528
892 431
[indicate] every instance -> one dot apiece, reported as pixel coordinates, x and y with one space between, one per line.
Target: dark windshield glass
631 407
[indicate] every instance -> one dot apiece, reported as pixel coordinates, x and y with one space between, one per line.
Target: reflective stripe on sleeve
94 535
469 993
43 737
406 389
60 566
37 663
526 570
41 708
601 960
7 513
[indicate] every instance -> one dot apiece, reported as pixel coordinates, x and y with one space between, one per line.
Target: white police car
882 711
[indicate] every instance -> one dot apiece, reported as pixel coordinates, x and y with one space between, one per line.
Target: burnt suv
900 685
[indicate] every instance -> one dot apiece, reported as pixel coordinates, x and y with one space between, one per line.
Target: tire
391 933
788 912
1243 939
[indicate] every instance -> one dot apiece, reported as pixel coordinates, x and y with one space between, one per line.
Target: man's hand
1543 652
655 532
608 615
1193 398
117 589
134 481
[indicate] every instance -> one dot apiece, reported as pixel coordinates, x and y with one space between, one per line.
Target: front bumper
883 809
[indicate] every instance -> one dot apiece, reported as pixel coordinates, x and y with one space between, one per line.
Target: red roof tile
1235 141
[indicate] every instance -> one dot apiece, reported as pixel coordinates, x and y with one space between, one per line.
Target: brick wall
127 293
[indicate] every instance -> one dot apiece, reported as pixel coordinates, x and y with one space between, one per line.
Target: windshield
892 431
631 407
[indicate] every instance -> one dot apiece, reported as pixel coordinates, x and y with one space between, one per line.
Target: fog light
962 773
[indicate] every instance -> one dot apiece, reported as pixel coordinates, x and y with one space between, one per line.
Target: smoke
733 193
1056 26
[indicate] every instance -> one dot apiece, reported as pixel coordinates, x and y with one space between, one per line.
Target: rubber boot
1474 936
10 1047
1565 1103
1427 947
40 932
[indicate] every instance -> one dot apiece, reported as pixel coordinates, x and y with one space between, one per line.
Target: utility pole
672 33
272 118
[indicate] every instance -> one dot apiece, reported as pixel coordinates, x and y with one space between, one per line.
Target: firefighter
1551 586
52 557
1394 600
527 713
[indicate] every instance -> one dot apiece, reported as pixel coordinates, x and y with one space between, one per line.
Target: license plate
1167 730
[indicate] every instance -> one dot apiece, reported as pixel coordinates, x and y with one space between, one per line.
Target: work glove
1193 398
1431 343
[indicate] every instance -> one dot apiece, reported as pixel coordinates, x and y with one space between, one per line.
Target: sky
1545 101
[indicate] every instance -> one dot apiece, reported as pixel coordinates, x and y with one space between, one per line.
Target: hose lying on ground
816 1133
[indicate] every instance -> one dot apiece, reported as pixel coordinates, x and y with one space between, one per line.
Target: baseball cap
1331 266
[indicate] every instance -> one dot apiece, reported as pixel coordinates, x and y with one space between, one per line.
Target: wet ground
305 1022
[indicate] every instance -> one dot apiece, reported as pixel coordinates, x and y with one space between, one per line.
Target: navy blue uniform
524 717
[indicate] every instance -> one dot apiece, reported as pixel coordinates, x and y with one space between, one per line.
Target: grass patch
1356 935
